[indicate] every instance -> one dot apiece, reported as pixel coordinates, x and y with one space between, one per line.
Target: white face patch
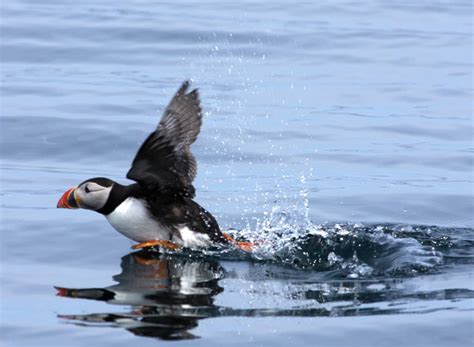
92 196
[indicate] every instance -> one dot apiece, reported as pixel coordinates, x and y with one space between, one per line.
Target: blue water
339 135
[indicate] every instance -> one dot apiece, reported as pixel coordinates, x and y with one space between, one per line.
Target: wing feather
164 163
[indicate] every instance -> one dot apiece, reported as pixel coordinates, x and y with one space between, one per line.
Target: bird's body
159 208
133 219
182 222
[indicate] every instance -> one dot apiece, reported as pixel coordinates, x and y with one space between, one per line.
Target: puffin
158 210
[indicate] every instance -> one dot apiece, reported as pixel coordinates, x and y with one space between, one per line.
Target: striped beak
69 199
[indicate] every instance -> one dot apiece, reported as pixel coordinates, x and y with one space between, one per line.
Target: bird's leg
156 243
228 237
243 245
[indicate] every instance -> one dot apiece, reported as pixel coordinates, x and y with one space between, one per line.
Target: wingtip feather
184 87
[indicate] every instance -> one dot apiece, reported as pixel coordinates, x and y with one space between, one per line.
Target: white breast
132 219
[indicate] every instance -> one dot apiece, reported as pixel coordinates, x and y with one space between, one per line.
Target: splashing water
351 250
287 237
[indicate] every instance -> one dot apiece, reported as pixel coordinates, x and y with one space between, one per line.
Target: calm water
338 134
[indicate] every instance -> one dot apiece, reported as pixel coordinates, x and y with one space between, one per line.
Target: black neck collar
118 194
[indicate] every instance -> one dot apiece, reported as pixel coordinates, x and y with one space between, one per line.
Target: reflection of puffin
168 295
159 209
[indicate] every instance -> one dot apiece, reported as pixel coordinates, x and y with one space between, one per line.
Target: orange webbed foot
157 243
246 246
243 245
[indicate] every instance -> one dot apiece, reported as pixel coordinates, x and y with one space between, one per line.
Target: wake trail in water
350 250
287 237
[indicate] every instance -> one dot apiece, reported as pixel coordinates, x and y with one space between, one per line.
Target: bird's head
91 194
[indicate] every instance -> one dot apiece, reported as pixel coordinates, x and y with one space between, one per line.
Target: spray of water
287 236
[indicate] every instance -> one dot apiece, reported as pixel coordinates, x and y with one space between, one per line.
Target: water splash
288 237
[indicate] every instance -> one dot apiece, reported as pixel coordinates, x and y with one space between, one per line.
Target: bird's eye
87 189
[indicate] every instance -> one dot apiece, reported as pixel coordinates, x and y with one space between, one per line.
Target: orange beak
65 292
61 291
69 199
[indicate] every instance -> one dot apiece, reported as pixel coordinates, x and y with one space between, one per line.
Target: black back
187 212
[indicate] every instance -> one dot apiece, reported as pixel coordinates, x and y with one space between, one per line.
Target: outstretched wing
164 164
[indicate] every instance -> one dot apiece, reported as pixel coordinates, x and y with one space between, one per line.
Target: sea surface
338 135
